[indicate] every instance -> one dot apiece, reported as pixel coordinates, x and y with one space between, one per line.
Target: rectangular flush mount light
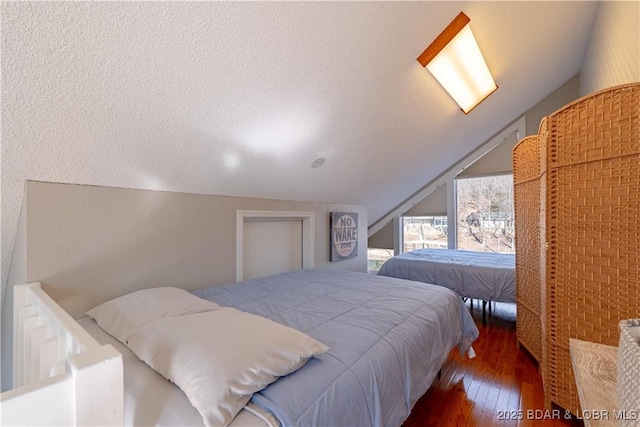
455 60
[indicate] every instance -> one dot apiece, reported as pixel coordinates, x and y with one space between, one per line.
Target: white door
271 247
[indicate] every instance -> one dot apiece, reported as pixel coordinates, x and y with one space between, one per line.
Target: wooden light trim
444 38
455 60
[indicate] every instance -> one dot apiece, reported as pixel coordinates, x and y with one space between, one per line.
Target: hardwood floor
500 387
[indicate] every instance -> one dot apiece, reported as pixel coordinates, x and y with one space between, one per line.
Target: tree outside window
485 214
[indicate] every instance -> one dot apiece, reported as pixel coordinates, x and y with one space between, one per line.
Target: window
424 232
485 214
377 257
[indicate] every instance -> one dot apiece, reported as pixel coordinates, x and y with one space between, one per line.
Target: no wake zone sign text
344 235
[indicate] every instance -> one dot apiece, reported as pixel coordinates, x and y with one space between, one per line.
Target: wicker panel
529 330
526 160
593 223
543 137
526 177
597 127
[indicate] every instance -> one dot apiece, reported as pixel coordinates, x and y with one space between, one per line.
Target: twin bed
478 275
383 341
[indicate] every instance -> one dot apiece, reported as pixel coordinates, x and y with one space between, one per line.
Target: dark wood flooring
500 387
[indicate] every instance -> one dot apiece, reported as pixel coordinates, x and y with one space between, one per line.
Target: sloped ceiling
238 98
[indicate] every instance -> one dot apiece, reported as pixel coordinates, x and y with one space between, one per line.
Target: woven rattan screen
526 181
592 189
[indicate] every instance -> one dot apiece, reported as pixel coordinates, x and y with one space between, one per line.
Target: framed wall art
344 235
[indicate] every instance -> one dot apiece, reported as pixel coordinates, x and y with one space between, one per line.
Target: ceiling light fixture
455 60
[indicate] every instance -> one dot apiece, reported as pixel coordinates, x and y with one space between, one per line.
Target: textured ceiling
239 98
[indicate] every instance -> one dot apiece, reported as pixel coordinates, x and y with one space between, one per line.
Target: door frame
308 231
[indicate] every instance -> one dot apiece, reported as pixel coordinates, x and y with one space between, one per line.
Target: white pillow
123 315
220 358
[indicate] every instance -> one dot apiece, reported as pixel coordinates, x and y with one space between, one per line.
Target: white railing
61 374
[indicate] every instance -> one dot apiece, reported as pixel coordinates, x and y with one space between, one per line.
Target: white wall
613 54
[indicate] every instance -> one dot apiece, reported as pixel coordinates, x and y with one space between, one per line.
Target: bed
387 339
477 275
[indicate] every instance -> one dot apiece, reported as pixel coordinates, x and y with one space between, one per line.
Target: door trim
308 231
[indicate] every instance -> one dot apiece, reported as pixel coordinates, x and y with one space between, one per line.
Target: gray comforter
387 340
481 275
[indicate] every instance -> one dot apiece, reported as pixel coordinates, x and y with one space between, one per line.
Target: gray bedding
481 275
388 338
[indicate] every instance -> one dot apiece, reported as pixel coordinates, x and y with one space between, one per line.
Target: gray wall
498 161
17 274
383 239
434 204
88 244
110 239
557 99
